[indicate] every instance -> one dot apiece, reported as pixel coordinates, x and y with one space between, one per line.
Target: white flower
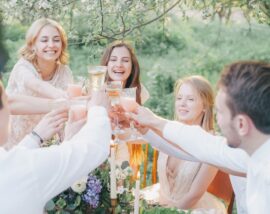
80 185
121 189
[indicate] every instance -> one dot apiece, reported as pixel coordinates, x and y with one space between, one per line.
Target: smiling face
120 64
48 44
189 105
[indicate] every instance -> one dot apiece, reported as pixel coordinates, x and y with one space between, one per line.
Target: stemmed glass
113 89
97 77
129 104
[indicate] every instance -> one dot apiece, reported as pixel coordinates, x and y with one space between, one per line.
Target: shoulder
64 68
24 65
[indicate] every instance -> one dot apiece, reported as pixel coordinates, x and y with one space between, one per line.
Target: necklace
47 77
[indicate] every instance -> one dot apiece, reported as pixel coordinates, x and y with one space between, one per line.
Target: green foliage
146 208
160 41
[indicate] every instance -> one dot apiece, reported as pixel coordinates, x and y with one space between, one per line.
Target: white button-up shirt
258 181
214 150
29 176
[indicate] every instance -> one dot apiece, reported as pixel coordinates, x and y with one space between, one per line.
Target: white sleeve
162 145
55 168
206 147
29 142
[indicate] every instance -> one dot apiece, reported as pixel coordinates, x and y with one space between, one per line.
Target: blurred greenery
170 52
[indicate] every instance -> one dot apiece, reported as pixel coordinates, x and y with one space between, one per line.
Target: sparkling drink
129 104
74 90
97 77
114 94
113 90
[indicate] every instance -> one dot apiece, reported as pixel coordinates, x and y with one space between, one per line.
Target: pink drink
129 104
79 112
74 90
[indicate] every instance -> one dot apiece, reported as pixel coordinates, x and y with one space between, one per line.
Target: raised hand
143 116
73 125
52 123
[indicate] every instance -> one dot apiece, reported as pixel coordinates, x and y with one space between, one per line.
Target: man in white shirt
243 109
31 176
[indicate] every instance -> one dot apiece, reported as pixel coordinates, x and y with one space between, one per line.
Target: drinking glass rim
97 69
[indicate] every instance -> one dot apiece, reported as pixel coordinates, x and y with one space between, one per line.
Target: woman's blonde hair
27 51
206 93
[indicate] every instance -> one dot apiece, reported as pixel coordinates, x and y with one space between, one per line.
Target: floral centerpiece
91 194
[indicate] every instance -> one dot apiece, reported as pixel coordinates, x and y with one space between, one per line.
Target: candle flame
138 175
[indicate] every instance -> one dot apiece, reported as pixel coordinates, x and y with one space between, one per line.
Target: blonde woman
183 184
41 72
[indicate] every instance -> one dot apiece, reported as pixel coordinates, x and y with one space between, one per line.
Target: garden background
172 38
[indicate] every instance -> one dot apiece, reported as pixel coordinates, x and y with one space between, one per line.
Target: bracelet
37 135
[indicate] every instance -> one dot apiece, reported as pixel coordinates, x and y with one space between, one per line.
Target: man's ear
242 124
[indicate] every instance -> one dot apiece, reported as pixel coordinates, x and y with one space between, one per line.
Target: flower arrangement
91 194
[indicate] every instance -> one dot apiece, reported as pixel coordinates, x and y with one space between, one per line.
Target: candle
74 90
137 195
112 175
78 112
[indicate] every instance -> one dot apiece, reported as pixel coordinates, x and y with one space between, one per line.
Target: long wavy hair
27 51
134 78
205 91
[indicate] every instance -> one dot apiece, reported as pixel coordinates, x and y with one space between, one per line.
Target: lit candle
78 112
74 90
112 175
137 195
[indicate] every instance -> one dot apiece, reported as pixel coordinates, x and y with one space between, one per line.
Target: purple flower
93 189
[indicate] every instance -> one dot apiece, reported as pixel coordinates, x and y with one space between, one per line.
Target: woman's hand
143 116
52 123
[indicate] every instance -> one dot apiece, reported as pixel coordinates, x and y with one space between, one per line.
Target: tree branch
102 16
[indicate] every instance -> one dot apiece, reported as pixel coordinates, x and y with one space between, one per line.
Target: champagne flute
96 76
129 104
113 90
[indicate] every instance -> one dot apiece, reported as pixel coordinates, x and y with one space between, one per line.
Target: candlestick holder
113 205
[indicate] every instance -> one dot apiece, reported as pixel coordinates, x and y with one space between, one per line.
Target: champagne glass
96 76
129 104
113 90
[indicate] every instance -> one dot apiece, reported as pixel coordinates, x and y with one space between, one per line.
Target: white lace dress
169 193
23 124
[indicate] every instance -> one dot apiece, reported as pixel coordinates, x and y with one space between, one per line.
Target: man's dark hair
247 85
